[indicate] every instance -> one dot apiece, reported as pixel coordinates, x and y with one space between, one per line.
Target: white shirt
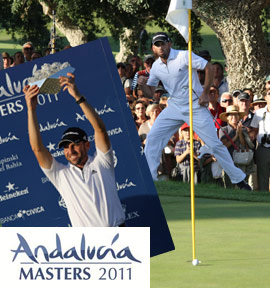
90 194
174 75
263 125
223 87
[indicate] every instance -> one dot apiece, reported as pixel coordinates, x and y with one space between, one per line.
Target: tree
26 20
238 26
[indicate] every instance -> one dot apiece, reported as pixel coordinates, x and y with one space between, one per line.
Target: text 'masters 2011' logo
84 261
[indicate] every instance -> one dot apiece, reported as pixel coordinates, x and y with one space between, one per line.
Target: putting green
232 243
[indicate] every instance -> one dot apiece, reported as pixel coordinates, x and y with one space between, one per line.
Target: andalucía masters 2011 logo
100 257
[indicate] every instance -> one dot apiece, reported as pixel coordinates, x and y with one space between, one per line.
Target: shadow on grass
211 43
211 202
9 41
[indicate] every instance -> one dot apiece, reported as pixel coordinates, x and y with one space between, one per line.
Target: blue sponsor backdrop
27 198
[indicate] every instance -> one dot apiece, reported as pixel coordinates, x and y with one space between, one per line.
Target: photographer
261 121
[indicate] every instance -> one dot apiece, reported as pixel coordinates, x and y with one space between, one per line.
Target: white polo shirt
263 125
90 194
174 75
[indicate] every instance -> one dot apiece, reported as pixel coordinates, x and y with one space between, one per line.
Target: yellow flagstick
192 196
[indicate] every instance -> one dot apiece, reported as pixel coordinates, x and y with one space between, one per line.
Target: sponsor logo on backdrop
82 258
12 191
50 125
12 90
126 184
130 214
62 203
114 131
44 180
52 148
104 110
8 138
10 162
22 214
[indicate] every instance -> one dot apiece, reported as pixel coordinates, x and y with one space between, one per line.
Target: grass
7 44
173 188
231 239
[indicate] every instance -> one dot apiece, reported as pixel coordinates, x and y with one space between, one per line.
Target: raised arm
102 140
42 154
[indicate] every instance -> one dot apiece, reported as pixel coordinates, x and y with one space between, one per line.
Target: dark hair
121 64
140 102
220 65
247 89
214 86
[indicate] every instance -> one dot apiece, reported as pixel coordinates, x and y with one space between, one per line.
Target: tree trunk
129 44
74 35
238 27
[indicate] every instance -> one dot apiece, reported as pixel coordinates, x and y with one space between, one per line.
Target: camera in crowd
265 139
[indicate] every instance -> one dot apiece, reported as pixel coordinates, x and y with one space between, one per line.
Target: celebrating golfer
172 69
87 184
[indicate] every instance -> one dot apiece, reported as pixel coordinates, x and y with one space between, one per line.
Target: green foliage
78 13
265 24
178 40
27 19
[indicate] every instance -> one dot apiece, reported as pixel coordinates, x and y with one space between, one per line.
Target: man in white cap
87 184
28 50
172 69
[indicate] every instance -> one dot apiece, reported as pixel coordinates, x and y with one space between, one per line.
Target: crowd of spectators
28 53
241 118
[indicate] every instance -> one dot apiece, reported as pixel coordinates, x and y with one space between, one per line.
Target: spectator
18 58
36 55
163 102
28 50
210 170
235 94
182 153
148 61
248 132
258 102
261 122
214 107
136 63
47 51
6 60
205 54
267 82
129 71
219 79
244 106
226 100
152 111
249 92
121 67
159 91
232 137
140 113
67 47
